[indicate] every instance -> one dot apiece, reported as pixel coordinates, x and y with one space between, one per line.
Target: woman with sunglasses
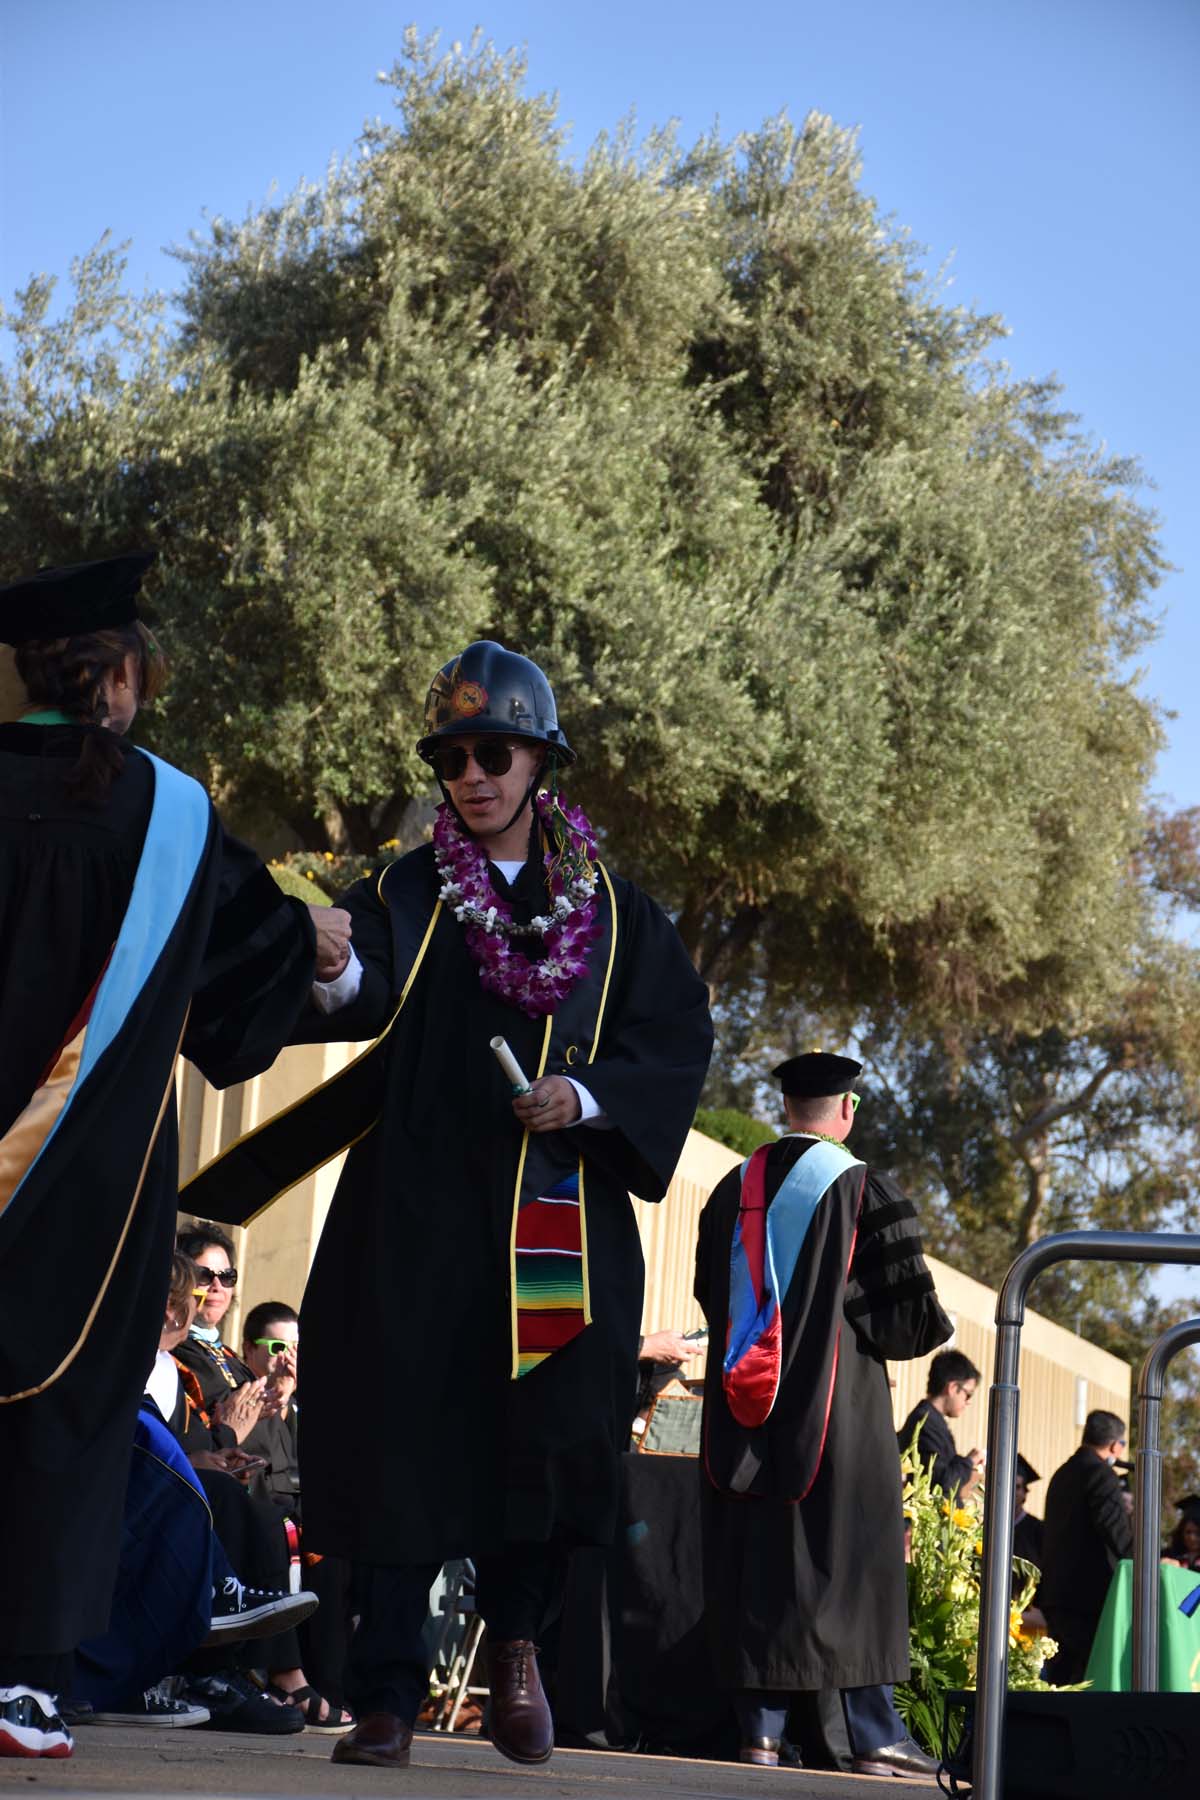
232 1394
481 1246
131 927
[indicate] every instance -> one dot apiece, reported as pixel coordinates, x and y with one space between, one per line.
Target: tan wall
1063 1377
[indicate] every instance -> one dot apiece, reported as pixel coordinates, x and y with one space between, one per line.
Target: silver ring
544 1101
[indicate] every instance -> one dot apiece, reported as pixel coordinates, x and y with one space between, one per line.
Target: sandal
335 1720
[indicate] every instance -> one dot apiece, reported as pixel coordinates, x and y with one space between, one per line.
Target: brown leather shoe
763 1752
380 1738
521 1726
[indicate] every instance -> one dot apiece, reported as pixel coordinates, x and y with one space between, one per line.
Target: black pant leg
49 1672
518 1590
387 1670
325 1637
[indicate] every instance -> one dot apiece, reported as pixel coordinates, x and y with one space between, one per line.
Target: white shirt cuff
331 996
589 1111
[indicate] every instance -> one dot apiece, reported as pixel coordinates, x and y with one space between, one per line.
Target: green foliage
943 1607
301 887
839 614
735 1129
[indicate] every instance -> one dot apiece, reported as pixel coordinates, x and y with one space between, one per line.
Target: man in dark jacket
1088 1530
953 1380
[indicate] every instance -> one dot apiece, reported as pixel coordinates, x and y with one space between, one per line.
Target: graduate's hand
552 1104
333 940
242 1409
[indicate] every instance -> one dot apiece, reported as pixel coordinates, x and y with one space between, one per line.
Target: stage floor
159 1761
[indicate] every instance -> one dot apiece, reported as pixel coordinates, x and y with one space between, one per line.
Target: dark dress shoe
904 1758
521 1726
382 1739
763 1752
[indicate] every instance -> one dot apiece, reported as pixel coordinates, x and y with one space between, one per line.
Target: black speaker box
1093 1746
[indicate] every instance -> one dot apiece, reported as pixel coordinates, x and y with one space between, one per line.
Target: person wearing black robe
507 1416
801 1501
1029 1532
131 927
953 1382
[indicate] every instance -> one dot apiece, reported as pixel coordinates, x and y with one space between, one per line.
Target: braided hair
68 674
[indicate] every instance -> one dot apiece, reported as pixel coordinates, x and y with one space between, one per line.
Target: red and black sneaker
30 1725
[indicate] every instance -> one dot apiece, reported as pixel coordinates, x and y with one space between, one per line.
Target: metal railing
992 1674
1148 1502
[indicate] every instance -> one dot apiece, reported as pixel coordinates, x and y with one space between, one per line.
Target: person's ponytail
68 675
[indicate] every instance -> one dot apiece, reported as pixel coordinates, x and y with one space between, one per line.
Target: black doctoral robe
84 1265
417 1444
810 1593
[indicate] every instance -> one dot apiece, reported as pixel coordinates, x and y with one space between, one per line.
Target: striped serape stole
551 1278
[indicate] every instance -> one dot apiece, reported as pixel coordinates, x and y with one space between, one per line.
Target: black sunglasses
226 1277
493 756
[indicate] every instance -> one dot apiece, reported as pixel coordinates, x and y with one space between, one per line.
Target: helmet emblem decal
467 699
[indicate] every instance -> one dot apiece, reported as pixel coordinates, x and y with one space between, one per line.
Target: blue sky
1049 147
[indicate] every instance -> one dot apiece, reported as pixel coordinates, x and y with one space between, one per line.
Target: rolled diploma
511 1066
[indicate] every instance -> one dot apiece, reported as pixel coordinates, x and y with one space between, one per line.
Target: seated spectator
1183 1547
221 1373
953 1380
1087 1532
252 1529
270 1347
270 1341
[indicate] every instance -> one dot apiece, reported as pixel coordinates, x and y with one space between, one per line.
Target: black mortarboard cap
817 1075
1026 1471
1189 1506
73 601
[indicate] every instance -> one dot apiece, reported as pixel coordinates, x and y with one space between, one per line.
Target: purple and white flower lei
568 930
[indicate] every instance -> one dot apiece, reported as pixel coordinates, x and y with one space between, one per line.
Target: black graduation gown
810 1593
77 1266
418 1445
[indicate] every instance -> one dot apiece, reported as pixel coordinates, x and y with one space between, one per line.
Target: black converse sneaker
160 1705
30 1725
241 1612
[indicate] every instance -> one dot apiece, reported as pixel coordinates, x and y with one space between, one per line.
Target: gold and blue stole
37 1152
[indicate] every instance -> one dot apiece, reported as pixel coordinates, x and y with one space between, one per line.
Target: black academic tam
73 600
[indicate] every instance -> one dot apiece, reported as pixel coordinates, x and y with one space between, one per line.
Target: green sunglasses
275 1346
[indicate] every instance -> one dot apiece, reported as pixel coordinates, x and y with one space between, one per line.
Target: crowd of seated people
205 1623
240 1435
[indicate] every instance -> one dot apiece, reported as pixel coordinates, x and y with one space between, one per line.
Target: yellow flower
963 1519
979 1546
309 876
328 855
